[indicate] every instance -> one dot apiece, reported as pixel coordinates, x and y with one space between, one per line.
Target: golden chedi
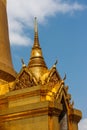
7 72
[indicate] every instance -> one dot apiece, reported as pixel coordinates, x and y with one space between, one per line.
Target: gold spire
6 68
36 39
36 64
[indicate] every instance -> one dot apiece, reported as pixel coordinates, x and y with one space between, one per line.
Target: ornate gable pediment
58 92
62 93
51 77
25 79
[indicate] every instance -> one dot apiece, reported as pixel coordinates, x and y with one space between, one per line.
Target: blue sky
62 34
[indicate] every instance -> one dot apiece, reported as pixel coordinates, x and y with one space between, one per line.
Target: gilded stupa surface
36 97
7 72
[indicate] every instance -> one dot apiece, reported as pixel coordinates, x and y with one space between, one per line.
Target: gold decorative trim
25 114
24 95
50 110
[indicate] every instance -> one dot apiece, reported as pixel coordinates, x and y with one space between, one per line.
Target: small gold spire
36 38
35 25
36 64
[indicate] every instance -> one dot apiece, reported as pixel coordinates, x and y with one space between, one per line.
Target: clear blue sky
62 36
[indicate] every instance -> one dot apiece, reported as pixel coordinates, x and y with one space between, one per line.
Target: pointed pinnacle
36 58
36 39
35 25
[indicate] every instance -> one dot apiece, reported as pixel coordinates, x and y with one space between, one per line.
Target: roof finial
55 63
35 25
37 64
36 39
23 64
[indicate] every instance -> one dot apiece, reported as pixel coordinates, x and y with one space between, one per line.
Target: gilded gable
24 80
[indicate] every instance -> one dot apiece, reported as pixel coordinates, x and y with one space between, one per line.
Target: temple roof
36 72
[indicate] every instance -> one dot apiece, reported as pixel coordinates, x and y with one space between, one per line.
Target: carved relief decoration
24 80
53 75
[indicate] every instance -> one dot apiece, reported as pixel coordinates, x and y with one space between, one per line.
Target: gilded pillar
74 118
